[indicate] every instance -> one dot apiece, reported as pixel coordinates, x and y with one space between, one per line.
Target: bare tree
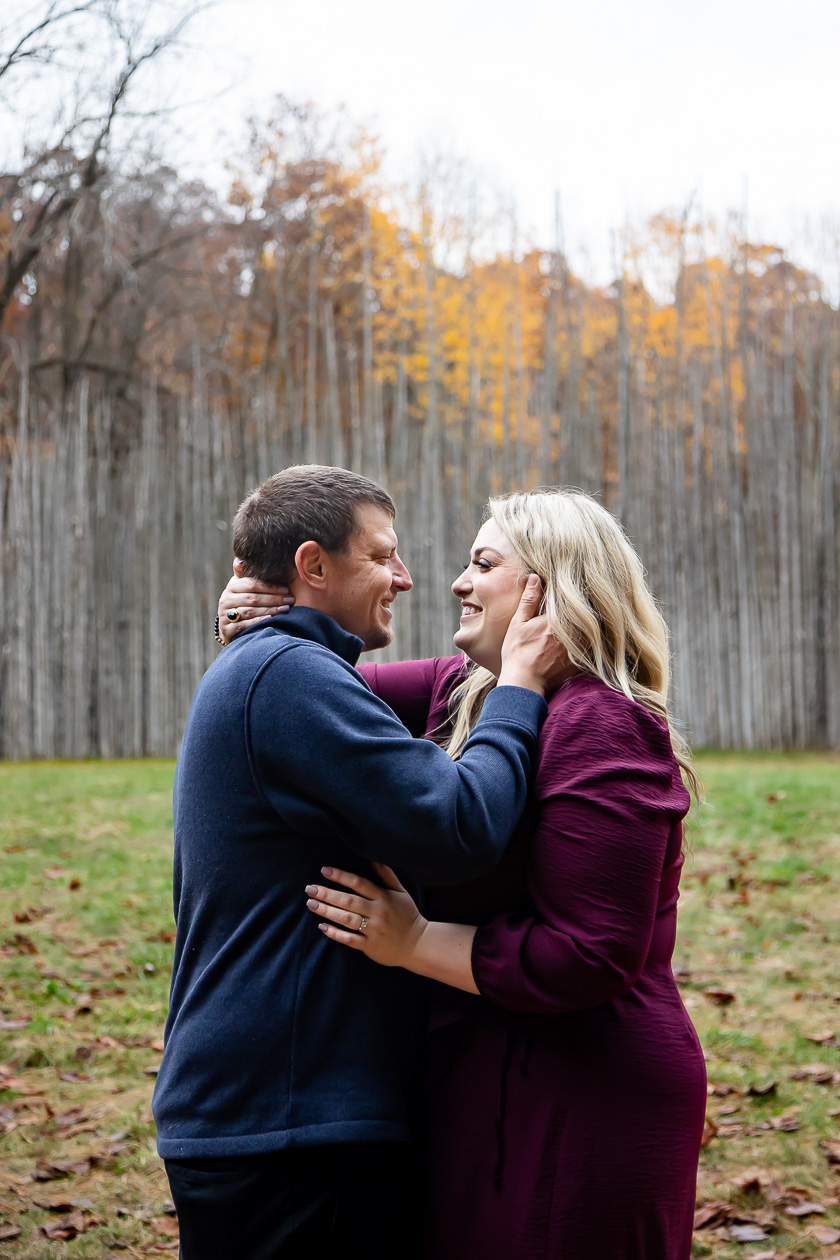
57 175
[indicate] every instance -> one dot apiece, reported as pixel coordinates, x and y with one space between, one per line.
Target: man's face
365 580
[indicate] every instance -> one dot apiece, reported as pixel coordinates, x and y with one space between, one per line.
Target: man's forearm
443 952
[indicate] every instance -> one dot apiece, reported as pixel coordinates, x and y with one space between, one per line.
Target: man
283 1098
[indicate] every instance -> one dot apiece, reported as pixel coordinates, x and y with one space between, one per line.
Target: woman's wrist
412 955
443 951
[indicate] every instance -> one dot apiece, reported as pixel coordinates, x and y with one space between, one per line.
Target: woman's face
489 590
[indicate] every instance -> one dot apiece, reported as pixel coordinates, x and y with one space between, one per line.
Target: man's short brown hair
303 503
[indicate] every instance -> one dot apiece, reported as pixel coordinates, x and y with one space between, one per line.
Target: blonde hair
597 602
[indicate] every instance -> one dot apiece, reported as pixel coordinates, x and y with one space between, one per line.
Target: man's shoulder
273 658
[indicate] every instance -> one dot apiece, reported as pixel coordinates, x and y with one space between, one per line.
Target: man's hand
252 600
531 655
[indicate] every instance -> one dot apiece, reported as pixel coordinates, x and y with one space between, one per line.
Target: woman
566 1085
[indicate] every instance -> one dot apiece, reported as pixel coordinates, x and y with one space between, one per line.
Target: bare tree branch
80 165
52 18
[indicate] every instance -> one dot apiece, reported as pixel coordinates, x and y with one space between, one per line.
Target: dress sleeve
609 794
406 687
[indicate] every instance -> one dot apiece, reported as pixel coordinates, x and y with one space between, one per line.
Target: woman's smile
495 573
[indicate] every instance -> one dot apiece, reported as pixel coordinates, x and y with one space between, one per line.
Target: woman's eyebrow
480 551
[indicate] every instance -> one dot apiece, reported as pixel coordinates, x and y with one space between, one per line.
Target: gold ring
363 923
234 615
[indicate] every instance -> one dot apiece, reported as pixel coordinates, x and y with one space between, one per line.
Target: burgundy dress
566 1103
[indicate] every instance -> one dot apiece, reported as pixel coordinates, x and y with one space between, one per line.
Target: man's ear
310 566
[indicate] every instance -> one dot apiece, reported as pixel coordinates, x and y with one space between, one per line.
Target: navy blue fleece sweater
277 1036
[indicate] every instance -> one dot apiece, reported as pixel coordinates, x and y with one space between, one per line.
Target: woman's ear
309 564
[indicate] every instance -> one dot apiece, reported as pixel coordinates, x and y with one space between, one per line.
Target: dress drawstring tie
507 1058
513 1029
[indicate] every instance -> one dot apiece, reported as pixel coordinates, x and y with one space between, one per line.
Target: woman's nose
462 584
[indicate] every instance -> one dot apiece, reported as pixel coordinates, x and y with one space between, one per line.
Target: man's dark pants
361 1199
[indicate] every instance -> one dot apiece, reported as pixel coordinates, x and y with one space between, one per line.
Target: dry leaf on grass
70 1226
816 1072
710 1215
752 1179
820 1038
831 1150
746 1233
787 1122
9 1231
825 1235
804 1209
31 913
53 1170
165 1225
709 1131
720 997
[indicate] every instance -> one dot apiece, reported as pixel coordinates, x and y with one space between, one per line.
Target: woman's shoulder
589 720
449 670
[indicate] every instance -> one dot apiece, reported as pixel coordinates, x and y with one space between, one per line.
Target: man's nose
400 576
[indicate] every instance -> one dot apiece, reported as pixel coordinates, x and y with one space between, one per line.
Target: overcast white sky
624 106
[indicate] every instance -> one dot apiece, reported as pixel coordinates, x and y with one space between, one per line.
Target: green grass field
86 939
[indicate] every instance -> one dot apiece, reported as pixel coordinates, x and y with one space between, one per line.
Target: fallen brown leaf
710 1215
787 1122
165 1225
763 1091
831 1150
752 1179
66 1228
23 944
9 1231
825 1235
816 1072
52 1170
62 1205
804 1209
746 1233
31 913
709 1131
720 997
820 1038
